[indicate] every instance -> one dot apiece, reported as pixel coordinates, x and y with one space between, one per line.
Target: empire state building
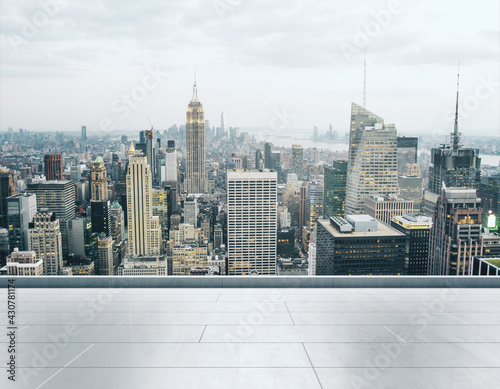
196 180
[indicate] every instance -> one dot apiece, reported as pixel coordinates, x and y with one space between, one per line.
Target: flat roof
382 230
259 338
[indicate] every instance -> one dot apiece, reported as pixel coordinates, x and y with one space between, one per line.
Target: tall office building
252 222
416 227
171 167
58 197
191 211
150 151
453 164
357 246
46 240
7 189
407 152
21 209
335 182
117 224
196 179
83 136
81 240
302 208
268 162
258 159
298 161
456 233
372 166
53 167
314 208
140 207
489 192
99 181
105 259
161 210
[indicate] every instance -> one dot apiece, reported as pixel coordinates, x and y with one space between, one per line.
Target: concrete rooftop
317 338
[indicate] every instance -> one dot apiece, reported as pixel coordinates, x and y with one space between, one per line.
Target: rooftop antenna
364 82
456 135
195 91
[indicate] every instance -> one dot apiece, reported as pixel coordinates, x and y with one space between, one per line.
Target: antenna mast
364 82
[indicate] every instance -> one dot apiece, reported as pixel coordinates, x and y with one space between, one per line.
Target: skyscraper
21 209
171 167
195 181
7 189
99 182
407 152
357 246
335 189
252 222
268 162
58 197
454 165
84 134
372 166
53 167
224 131
46 240
140 207
456 233
298 161
314 208
416 227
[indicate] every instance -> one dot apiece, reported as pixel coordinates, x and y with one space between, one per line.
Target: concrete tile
194 355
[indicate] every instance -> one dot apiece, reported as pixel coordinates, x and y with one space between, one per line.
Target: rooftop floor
317 338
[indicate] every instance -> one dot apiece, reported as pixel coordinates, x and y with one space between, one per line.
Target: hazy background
253 58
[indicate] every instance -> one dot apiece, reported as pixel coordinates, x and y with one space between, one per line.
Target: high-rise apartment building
456 233
372 166
58 197
53 167
140 207
21 209
416 227
252 222
46 240
298 161
196 179
489 192
335 182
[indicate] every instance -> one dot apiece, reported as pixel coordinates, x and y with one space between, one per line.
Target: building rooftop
433 336
382 230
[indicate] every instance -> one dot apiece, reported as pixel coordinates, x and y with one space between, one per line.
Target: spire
131 150
364 82
456 135
195 91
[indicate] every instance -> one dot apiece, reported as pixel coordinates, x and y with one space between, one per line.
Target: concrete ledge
254 282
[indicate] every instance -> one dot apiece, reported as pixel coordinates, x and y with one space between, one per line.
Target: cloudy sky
266 63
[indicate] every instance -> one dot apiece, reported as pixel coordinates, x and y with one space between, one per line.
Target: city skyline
297 66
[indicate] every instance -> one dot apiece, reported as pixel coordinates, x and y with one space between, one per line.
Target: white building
24 263
252 221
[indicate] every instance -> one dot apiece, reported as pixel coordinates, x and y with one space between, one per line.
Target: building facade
196 179
45 239
372 165
252 222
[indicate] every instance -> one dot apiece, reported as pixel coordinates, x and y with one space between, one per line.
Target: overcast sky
265 63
